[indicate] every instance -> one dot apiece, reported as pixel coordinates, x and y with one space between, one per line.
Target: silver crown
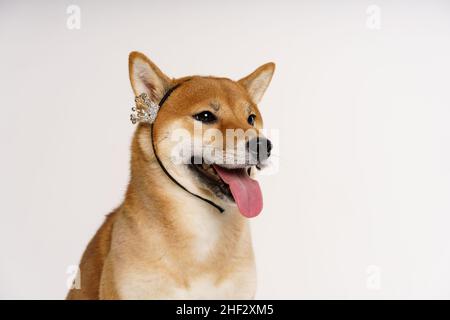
145 110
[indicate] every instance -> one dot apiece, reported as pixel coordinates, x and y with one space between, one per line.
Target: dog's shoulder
92 261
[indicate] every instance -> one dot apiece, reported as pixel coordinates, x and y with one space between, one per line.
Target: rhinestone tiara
144 111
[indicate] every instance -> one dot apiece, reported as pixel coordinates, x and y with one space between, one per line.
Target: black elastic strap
166 96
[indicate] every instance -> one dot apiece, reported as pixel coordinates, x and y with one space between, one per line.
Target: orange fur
162 242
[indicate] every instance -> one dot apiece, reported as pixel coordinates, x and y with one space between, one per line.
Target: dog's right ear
146 77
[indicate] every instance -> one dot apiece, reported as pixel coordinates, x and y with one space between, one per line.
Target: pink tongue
246 191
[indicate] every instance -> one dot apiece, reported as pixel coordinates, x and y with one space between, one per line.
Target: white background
360 205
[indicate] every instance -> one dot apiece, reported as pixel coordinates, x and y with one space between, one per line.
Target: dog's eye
251 119
205 117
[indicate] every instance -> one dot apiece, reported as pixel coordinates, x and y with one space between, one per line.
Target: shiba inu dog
182 230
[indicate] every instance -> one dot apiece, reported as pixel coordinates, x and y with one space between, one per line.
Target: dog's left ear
146 77
257 82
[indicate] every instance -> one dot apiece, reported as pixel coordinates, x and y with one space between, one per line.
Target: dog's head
207 133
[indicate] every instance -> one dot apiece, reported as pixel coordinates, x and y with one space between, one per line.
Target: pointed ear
146 77
257 82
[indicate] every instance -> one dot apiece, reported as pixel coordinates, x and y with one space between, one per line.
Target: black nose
260 148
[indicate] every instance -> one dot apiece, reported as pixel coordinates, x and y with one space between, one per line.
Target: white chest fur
169 277
160 286
236 287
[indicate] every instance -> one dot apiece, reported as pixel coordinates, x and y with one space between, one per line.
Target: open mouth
233 184
211 178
